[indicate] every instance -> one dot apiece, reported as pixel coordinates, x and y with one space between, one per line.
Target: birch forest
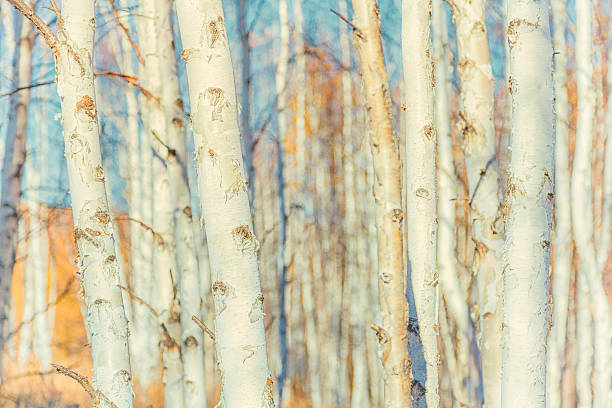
306 203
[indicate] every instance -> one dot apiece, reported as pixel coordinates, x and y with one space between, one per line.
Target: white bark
477 126
98 269
452 291
582 205
389 213
562 231
421 182
528 205
194 386
164 298
584 344
144 348
239 324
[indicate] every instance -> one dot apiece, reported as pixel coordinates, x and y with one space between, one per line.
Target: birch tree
421 182
562 231
477 126
528 204
192 353
582 207
389 213
233 247
447 192
163 296
93 231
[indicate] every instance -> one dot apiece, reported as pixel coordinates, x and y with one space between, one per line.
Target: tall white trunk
582 205
477 126
452 291
239 324
144 348
166 287
387 190
421 190
562 237
93 231
192 353
528 204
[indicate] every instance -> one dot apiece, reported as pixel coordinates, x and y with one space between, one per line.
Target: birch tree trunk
194 386
389 213
233 248
13 163
478 130
144 339
421 182
164 297
582 206
452 291
25 333
93 231
562 237
528 204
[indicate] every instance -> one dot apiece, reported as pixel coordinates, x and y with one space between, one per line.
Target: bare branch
139 300
127 33
131 80
204 328
38 22
14 91
95 395
347 21
156 235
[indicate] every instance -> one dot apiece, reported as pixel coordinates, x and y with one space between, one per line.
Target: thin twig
156 235
95 395
38 22
139 300
130 80
21 88
204 328
127 33
347 21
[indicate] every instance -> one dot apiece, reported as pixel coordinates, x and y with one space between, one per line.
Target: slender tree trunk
528 204
421 182
164 296
239 324
582 206
144 340
447 243
194 386
389 214
93 232
478 130
562 237
13 161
